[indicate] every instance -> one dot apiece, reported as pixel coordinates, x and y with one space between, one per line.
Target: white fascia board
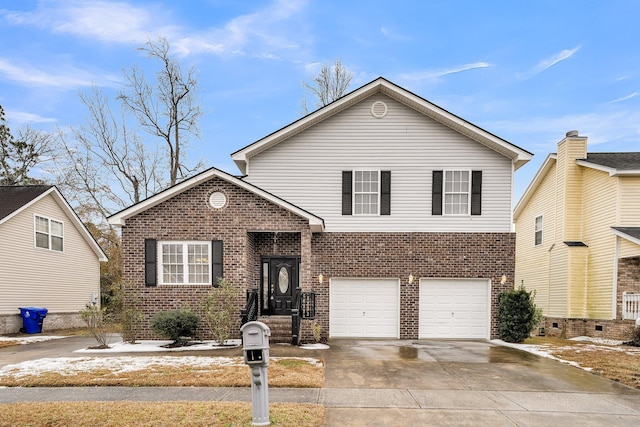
625 236
535 183
120 218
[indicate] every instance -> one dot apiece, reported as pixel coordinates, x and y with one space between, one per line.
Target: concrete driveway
398 383
420 382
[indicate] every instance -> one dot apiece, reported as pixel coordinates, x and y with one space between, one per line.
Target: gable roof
630 233
548 164
615 164
120 218
517 155
15 199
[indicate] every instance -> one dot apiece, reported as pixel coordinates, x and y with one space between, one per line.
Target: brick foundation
570 328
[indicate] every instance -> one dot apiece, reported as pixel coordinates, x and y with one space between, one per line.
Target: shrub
95 318
518 316
175 325
125 310
635 338
220 308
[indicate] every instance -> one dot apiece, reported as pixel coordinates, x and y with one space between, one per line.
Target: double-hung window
457 191
185 263
538 231
366 191
49 233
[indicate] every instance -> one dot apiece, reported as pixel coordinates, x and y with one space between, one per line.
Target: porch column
305 260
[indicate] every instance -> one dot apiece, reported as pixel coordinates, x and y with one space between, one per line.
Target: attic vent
217 200
379 109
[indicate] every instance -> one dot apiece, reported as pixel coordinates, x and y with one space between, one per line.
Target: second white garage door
454 308
364 308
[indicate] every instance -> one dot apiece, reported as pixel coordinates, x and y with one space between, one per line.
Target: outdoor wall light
410 278
503 280
320 278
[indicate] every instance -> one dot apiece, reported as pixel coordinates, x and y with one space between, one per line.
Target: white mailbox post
255 345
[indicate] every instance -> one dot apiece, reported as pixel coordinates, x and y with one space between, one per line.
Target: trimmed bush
220 311
517 315
175 324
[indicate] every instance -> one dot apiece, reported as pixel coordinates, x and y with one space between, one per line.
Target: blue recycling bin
32 318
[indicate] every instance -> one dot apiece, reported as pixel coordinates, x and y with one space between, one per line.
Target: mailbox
255 343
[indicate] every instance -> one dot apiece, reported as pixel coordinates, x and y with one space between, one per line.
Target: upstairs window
456 193
538 231
366 192
49 234
457 188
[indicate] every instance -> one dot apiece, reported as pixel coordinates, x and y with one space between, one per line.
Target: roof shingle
13 198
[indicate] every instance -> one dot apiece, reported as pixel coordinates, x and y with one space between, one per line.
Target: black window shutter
476 192
436 193
150 262
385 193
216 261
347 197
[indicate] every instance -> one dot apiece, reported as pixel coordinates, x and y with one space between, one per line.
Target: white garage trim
455 308
364 308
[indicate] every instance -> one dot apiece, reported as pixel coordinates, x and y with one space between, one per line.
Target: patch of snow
539 350
149 346
316 346
597 340
73 365
32 339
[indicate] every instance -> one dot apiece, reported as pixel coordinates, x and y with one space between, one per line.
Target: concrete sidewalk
404 383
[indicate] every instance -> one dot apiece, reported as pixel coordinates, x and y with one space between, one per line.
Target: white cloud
21 117
100 20
435 74
547 63
61 77
393 35
624 98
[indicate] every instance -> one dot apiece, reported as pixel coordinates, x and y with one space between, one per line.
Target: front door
281 282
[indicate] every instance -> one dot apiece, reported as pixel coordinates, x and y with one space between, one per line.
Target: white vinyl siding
63 282
405 142
184 263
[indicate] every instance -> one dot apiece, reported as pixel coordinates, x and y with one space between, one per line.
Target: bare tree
106 164
330 84
168 109
20 154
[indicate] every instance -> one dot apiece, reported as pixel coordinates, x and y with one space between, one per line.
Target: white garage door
364 308
454 308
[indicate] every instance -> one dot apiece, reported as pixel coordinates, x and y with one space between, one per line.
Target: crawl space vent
379 109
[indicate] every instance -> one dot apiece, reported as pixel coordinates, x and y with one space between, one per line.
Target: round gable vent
217 200
379 109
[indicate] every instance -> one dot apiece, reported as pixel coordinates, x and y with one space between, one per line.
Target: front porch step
280 327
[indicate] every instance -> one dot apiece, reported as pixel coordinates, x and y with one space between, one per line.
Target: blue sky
527 71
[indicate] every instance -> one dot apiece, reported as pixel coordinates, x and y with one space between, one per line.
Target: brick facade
251 227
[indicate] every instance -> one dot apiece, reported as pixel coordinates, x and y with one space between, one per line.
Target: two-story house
578 240
48 258
393 212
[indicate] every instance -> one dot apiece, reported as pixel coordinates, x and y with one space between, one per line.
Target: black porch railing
250 311
304 307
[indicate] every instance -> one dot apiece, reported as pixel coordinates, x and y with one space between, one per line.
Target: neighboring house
395 213
47 258
578 240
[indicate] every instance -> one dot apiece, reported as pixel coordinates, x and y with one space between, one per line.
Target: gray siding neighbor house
394 214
